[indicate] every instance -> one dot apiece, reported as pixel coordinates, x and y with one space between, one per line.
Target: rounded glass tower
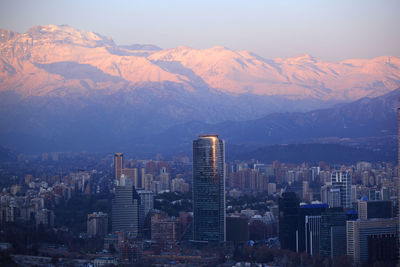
209 189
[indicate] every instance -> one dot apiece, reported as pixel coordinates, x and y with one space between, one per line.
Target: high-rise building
97 224
131 174
209 189
146 204
312 234
331 196
288 220
342 180
147 181
305 189
125 210
375 209
308 225
315 173
118 165
164 228
382 249
360 235
165 179
335 198
333 233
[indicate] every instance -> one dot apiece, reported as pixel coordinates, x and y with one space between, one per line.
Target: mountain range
62 89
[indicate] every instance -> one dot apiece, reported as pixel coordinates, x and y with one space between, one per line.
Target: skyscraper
209 189
308 225
333 233
342 180
288 220
118 165
125 210
146 204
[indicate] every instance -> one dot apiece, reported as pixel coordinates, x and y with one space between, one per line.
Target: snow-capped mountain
65 89
47 58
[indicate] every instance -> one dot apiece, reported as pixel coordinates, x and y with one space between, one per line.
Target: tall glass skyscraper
209 189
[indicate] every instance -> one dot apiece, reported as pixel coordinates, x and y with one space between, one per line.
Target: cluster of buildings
35 199
333 228
323 210
151 176
347 210
133 202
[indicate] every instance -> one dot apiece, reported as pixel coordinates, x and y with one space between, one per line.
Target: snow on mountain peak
66 33
41 59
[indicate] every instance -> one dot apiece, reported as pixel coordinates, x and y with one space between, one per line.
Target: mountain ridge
63 89
232 72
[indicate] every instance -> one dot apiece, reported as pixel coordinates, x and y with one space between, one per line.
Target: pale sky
327 29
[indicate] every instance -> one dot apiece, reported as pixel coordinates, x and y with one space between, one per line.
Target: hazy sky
328 29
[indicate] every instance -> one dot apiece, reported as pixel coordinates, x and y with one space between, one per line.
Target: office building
118 165
288 220
97 224
360 235
125 210
146 204
342 181
382 249
333 233
147 181
308 225
385 193
209 189
164 229
315 173
165 179
312 234
374 209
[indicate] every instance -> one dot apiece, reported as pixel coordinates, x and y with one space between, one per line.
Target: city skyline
163 133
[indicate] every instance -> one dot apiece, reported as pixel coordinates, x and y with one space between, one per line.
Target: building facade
209 189
118 165
146 204
125 210
97 224
375 209
342 181
360 235
333 233
289 205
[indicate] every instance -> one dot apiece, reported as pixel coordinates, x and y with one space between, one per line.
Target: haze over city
225 133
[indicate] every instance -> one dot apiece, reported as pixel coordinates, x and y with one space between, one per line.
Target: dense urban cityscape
199 133
89 210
